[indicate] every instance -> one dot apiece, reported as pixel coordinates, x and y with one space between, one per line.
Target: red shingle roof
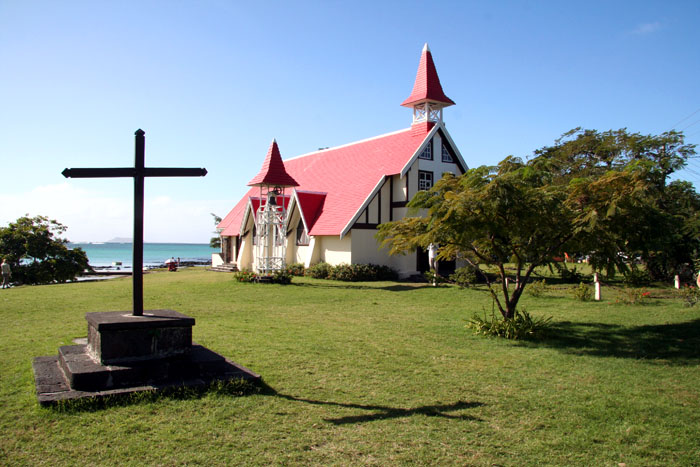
346 176
427 86
273 171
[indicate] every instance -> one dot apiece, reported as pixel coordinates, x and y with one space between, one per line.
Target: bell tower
427 98
271 214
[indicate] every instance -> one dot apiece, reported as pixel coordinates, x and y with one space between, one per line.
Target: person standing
6 273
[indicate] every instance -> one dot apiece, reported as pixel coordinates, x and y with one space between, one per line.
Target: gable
335 184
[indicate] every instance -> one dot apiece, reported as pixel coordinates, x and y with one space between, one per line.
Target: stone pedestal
126 353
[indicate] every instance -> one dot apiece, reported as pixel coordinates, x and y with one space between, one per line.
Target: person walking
6 273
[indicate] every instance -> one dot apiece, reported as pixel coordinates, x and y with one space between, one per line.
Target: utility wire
684 119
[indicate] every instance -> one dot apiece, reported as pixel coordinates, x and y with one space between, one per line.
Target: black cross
138 173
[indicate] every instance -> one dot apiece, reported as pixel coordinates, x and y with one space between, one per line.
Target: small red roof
427 86
273 171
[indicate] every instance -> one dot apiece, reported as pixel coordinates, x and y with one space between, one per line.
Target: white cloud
646 28
92 215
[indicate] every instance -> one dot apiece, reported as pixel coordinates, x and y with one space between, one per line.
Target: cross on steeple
138 173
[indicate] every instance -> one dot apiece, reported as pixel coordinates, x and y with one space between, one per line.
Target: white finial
426 48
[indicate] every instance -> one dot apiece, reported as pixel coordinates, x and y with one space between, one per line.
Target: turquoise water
154 254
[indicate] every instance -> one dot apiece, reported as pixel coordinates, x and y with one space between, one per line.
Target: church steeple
427 99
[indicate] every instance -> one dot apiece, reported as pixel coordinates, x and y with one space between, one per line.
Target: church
325 206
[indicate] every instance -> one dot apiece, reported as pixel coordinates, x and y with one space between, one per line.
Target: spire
427 86
273 171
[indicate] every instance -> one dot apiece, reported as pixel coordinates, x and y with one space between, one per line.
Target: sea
109 255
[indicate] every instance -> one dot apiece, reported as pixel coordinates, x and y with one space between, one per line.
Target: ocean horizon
109 254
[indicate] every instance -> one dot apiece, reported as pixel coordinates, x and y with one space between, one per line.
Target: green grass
370 373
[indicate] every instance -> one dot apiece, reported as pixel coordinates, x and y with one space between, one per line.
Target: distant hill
119 240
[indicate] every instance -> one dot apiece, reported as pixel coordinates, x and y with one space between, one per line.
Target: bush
245 276
689 295
570 275
521 326
635 296
537 288
637 278
319 271
295 269
281 277
464 277
352 272
582 292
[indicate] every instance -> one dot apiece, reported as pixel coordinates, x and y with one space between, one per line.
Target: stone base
126 354
73 374
118 336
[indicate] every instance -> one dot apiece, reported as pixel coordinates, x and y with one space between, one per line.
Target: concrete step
226 267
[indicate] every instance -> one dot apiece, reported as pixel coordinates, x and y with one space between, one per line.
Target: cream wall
335 250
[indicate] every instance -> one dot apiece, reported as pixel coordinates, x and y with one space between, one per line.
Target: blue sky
213 82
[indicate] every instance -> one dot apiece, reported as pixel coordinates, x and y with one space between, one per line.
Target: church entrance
445 268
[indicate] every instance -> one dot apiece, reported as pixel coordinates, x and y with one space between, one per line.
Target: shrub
282 277
245 276
635 296
295 269
689 295
636 278
521 326
352 272
319 271
537 288
570 275
465 276
582 292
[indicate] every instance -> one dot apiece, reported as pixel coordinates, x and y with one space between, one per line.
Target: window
255 235
427 152
446 156
425 180
302 237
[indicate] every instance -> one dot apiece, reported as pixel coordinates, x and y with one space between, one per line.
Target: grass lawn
370 373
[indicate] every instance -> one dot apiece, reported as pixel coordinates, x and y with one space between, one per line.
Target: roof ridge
349 144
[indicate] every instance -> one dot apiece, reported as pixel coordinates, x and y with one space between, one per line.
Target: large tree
590 192
36 253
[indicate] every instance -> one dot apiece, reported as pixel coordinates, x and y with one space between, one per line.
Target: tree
590 192
215 242
37 255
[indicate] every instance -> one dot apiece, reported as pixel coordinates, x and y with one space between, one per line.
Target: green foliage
466 276
636 277
582 292
215 242
296 269
352 272
597 192
245 276
537 288
282 277
319 270
570 276
37 255
633 296
690 295
520 326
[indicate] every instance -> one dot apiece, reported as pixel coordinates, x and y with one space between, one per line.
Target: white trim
428 138
364 205
454 147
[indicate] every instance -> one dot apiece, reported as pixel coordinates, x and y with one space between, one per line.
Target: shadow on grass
676 344
380 412
362 286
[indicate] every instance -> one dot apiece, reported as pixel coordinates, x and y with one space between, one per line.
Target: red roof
427 86
342 178
273 171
